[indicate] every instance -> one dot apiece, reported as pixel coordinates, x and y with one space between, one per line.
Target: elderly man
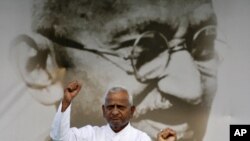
117 109
162 49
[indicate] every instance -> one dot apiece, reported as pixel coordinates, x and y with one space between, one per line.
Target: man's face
117 110
165 56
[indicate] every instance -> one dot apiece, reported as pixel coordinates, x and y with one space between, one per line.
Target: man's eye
121 107
109 107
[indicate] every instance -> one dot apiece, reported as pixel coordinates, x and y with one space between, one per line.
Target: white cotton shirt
61 131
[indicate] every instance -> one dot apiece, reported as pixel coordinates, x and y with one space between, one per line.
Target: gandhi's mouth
159 113
153 127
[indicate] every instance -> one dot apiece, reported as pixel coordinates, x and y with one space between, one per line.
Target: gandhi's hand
167 135
70 91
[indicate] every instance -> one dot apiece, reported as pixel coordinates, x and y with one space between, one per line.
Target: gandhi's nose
154 68
182 78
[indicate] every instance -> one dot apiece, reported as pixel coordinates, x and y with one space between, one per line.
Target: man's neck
118 129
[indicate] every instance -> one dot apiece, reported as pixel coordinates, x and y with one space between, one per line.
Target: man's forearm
65 105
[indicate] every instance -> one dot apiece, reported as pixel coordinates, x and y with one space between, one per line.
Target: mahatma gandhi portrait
161 50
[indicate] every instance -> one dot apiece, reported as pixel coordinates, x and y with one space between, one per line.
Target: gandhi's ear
33 58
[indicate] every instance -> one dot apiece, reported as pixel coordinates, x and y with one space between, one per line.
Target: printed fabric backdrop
186 63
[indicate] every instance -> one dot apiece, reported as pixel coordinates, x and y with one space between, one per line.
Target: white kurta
61 131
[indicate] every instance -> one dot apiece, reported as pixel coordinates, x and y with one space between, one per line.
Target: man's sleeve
61 125
61 131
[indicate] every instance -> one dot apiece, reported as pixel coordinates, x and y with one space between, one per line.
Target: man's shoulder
141 133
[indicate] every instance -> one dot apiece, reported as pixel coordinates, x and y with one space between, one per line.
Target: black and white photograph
185 64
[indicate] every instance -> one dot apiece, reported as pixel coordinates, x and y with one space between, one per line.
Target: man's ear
133 108
33 58
103 110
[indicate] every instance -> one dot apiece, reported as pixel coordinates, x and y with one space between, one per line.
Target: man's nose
115 111
182 78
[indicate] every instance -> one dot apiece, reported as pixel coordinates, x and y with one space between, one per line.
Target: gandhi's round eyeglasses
143 49
140 51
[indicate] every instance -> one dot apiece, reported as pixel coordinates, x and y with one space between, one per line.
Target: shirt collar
123 131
